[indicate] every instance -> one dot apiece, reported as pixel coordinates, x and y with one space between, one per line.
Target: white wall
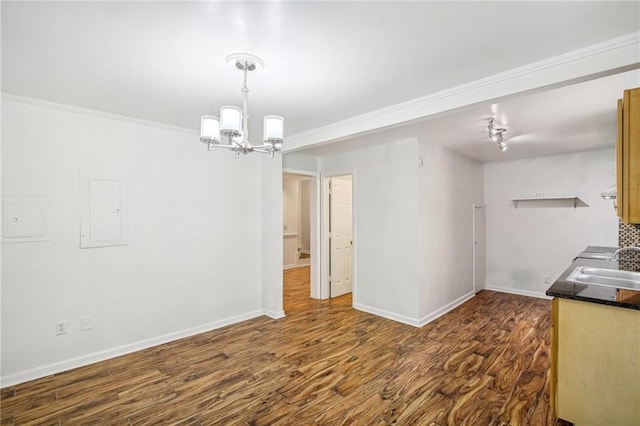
450 184
528 243
195 257
385 188
300 162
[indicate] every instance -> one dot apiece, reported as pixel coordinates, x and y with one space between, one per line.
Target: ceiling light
496 133
231 129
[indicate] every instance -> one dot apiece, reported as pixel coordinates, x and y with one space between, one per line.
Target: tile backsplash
629 235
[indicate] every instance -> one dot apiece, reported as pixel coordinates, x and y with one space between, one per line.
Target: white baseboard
446 308
58 367
293 266
416 322
274 314
386 314
518 291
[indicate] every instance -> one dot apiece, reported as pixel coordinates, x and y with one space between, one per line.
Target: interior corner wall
531 242
450 185
385 184
194 259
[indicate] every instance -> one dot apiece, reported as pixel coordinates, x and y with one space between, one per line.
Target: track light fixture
496 133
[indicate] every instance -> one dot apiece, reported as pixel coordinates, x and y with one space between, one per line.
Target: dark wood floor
485 363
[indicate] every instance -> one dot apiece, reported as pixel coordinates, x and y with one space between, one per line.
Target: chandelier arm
219 145
233 143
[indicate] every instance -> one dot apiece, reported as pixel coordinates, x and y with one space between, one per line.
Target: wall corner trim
446 308
83 360
518 291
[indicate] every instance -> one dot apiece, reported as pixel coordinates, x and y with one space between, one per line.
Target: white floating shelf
567 201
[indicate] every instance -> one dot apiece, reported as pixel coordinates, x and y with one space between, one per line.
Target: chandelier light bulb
273 128
210 129
230 120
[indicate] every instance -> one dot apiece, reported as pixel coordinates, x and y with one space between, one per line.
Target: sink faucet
616 255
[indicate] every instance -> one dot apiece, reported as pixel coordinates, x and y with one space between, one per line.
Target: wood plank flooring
485 363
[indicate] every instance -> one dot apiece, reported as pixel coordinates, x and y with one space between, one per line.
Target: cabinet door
553 382
619 164
597 364
631 121
630 151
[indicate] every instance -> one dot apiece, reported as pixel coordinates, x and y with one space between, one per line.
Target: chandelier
231 129
496 132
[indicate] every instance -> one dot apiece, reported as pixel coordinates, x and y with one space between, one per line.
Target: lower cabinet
595 363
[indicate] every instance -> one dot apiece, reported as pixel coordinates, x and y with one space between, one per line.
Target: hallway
297 297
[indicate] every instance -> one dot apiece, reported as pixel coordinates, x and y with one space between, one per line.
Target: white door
479 247
341 236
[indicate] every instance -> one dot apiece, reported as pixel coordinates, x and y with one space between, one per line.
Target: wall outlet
62 327
539 194
464 281
85 323
547 279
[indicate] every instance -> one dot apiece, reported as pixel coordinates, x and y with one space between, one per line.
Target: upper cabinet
628 157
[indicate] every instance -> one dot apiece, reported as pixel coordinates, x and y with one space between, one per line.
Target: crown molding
597 60
93 113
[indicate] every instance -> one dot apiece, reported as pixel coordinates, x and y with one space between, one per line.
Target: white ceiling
326 61
572 118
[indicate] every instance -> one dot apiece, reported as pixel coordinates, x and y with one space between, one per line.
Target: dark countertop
587 292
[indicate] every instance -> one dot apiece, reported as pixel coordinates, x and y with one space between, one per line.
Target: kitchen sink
605 277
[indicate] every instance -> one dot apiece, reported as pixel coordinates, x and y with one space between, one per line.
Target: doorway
296 219
301 229
479 249
339 234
